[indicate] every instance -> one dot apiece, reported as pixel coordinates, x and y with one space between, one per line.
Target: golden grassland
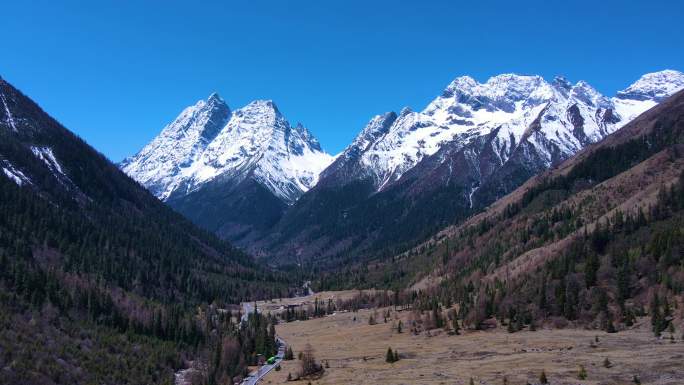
355 352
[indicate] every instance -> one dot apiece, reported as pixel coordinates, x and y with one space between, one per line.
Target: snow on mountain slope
656 86
646 92
8 115
15 175
160 165
208 141
48 157
564 116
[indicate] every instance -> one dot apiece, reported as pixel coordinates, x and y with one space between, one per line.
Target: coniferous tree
289 354
389 357
657 318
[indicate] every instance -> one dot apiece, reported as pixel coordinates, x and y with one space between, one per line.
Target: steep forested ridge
96 271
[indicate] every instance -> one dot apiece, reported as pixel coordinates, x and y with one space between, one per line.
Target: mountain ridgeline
94 268
403 178
409 175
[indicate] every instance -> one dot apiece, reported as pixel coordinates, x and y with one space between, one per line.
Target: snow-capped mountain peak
560 82
646 92
180 144
215 97
558 117
208 140
374 130
261 107
511 86
654 86
499 91
462 84
584 92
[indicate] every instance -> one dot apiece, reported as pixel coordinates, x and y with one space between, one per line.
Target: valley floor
356 352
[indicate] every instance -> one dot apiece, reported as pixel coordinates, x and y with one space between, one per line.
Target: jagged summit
561 82
461 83
584 92
208 140
214 96
261 105
566 116
179 145
504 87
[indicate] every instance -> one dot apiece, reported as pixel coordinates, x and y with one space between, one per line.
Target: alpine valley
515 220
252 178
302 227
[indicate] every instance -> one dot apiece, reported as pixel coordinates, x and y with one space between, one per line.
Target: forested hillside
99 281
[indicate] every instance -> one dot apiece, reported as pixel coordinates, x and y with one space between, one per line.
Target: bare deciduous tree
309 365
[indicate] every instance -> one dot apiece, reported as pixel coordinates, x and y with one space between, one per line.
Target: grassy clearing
356 354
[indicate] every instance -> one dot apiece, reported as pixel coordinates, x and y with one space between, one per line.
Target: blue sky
116 72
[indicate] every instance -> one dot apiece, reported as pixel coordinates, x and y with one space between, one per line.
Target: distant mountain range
252 178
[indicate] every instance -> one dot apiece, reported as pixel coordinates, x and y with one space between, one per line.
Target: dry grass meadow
356 351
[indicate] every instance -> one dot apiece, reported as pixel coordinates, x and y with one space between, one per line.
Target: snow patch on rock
9 118
45 154
14 174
